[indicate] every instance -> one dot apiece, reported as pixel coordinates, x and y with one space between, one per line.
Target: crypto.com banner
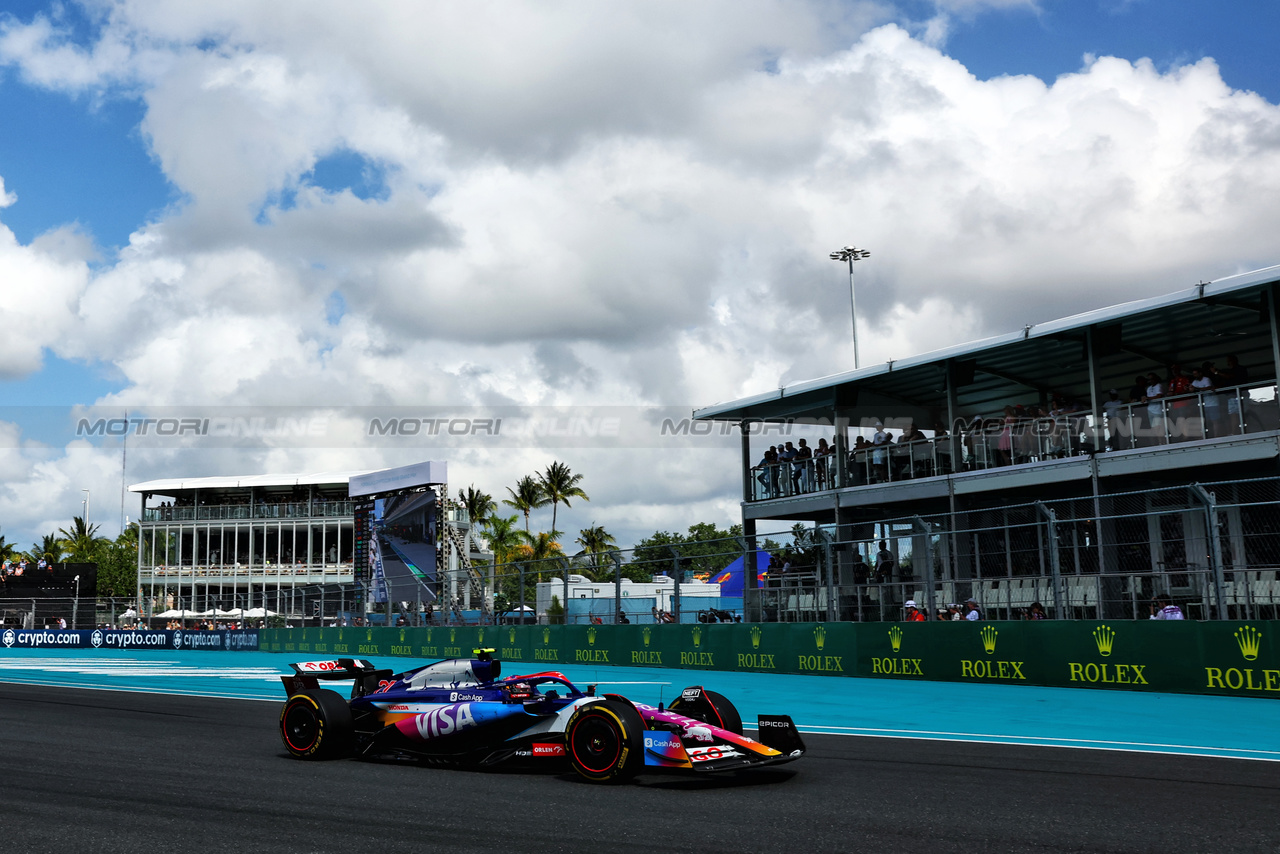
219 641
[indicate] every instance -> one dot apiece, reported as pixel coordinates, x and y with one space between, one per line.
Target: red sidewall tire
317 724
605 741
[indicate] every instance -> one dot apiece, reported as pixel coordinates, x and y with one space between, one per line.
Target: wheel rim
301 726
596 744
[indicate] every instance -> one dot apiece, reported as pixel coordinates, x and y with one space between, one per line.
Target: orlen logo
455 697
548 750
96 637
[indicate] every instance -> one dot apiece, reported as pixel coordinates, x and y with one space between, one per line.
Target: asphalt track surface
107 771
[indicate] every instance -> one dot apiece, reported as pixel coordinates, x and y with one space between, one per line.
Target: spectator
768 469
1036 612
1004 444
1234 374
953 612
971 611
880 454
800 467
1155 408
1181 407
622 619
1162 609
1118 430
861 572
913 614
885 563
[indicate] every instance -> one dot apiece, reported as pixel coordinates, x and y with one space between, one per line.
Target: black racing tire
605 741
729 717
725 715
317 724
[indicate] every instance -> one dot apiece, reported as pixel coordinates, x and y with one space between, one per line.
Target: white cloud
613 204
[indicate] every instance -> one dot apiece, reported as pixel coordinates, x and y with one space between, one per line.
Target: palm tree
503 537
540 547
559 484
6 549
480 505
50 548
526 497
82 541
595 541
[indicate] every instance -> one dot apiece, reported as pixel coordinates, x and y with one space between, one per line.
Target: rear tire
605 741
317 724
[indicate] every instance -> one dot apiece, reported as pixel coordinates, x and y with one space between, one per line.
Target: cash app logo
1250 641
1104 637
989 635
895 638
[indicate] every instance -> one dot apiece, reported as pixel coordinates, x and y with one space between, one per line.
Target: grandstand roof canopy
171 485
1206 322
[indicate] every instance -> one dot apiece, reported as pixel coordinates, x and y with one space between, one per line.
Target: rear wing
307 675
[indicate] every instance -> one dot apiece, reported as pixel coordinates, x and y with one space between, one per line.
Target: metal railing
220 512
990 443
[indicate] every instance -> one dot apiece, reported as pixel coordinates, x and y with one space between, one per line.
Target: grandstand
288 545
1012 474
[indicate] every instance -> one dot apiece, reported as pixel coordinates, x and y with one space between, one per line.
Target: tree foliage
705 550
559 484
526 497
479 504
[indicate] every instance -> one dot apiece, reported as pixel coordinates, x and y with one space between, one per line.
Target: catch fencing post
616 557
1215 547
1055 560
675 593
926 529
564 565
824 536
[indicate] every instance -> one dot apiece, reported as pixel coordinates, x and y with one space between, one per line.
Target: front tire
605 741
722 712
317 724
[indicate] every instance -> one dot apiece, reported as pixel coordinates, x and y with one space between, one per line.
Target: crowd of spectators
1175 406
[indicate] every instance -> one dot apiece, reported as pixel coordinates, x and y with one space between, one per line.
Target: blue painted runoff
1188 724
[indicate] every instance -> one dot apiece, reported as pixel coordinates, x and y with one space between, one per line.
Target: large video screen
402 548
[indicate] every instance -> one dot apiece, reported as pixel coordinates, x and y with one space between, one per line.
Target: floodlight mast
850 254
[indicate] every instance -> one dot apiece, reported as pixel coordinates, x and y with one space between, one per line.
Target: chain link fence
1212 549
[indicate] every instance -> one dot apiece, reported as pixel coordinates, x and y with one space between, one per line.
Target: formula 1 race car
461 712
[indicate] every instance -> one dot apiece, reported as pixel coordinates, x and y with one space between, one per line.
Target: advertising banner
1220 657
220 641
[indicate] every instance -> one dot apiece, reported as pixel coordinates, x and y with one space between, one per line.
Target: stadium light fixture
849 254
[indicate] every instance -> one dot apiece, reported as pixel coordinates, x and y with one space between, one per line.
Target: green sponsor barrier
1227 657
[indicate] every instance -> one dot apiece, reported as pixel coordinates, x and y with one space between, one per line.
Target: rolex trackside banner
221 641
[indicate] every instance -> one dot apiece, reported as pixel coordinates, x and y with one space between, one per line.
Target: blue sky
472 215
